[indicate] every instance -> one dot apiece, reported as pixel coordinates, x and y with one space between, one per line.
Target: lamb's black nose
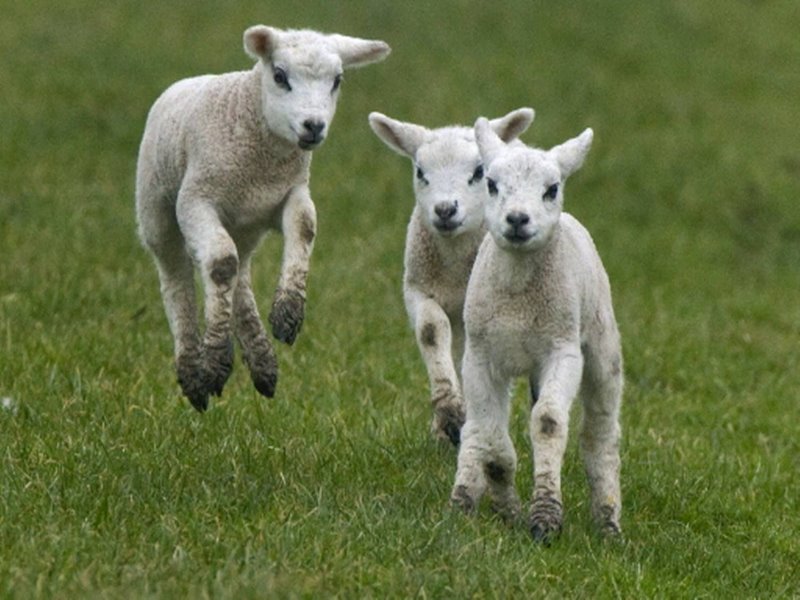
314 128
445 210
517 219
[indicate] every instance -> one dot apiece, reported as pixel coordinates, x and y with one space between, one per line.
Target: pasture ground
112 486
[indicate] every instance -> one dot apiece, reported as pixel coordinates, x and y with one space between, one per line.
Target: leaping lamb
444 233
538 305
223 159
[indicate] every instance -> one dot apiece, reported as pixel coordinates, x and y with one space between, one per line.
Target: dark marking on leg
286 316
224 269
428 334
307 228
549 425
444 395
496 472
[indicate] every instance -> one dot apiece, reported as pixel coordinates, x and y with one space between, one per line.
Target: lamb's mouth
517 237
447 226
309 143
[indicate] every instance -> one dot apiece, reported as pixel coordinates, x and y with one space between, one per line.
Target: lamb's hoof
219 364
509 513
606 516
192 380
286 316
611 530
461 499
265 383
263 366
546 518
199 401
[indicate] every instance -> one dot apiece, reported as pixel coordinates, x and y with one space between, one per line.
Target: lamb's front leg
215 253
486 457
559 382
433 334
299 226
256 348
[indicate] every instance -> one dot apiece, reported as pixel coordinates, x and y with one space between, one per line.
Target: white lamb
444 233
223 159
538 305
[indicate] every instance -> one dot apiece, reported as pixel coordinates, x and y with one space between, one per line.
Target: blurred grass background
112 486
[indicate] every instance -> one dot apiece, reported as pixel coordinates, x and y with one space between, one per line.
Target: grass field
112 486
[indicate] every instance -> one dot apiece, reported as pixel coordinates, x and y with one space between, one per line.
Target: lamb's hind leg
176 273
600 435
257 350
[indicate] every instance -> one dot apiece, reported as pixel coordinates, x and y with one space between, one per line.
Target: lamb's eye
421 176
281 79
337 81
477 175
492 185
551 192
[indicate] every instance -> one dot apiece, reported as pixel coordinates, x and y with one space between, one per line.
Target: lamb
538 305
443 236
223 159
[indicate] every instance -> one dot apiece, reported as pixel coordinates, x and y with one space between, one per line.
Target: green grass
112 486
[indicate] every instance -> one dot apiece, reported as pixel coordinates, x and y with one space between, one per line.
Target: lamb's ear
571 153
356 52
511 126
403 138
260 41
489 143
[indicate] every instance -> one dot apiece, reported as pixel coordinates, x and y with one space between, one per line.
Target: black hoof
286 316
544 534
545 520
193 383
219 365
265 384
611 530
200 402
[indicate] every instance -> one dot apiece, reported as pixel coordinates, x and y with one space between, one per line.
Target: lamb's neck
520 267
462 244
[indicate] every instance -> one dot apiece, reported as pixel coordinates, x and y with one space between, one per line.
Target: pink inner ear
260 43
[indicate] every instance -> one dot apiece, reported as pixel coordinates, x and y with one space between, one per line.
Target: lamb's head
301 72
448 171
526 186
